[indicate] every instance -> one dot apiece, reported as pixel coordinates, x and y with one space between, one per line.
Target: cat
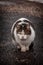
23 33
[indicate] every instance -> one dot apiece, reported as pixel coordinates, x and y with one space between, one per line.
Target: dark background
9 55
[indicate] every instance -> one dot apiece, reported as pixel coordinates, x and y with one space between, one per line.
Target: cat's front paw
18 47
23 49
27 48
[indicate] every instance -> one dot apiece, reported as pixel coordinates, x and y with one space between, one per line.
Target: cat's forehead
20 23
23 21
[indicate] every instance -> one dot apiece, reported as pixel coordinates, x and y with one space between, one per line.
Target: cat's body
23 33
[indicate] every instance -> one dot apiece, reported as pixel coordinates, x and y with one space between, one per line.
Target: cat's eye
19 29
27 31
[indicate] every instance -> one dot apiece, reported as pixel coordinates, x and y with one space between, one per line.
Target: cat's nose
24 37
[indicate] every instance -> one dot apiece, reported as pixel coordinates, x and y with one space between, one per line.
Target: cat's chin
23 39
24 49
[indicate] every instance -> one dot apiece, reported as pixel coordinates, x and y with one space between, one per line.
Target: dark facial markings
24 27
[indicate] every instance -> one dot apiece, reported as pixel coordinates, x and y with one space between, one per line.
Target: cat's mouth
23 39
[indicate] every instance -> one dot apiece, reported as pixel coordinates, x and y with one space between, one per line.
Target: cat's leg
23 49
18 47
27 48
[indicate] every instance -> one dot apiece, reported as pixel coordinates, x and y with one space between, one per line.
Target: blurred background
41 1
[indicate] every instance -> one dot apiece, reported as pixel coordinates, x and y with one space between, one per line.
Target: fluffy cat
23 34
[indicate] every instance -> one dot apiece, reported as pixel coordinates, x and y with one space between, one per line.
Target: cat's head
23 29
